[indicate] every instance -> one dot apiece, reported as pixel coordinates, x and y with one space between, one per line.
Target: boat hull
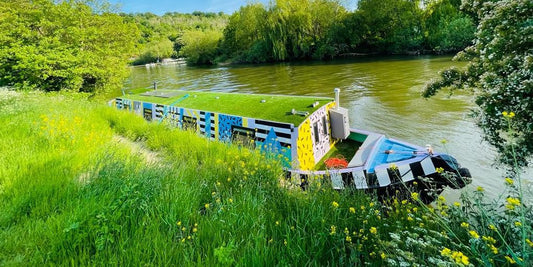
415 169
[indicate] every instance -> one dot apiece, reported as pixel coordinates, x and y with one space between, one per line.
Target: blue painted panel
208 124
224 126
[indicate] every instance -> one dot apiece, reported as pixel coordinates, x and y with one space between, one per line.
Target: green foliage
63 46
244 35
200 47
500 72
158 31
156 51
395 26
446 28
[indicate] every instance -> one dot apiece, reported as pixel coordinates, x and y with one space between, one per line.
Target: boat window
242 136
189 123
324 126
315 129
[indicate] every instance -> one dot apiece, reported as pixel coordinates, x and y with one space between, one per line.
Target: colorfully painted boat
310 135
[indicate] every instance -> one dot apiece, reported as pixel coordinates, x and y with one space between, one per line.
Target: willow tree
63 45
500 73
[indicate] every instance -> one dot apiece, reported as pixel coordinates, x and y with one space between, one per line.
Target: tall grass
84 184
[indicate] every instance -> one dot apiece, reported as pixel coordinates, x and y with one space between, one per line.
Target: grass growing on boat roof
84 184
275 107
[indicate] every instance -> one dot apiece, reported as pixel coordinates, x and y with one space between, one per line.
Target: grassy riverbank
82 183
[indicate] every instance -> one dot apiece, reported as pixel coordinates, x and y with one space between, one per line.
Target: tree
447 29
395 26
244 36
63 46
200 47
501 74
155 51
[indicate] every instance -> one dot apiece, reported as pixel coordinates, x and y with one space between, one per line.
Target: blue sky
160 7
183 6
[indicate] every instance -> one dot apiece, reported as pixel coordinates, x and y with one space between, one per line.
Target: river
382 95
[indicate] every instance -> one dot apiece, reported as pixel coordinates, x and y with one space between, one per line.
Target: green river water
382 95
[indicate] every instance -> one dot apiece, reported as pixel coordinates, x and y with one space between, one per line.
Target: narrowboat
311 135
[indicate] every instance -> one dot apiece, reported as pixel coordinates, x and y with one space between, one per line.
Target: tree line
289 30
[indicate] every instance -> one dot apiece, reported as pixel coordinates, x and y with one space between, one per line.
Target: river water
382 95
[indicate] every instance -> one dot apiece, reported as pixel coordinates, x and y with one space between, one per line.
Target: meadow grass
84 184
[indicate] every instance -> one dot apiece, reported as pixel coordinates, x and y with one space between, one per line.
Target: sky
160 7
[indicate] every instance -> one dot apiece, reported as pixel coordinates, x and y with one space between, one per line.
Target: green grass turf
275 108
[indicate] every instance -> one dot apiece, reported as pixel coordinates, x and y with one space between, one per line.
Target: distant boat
310 135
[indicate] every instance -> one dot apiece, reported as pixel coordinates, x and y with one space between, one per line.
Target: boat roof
259 106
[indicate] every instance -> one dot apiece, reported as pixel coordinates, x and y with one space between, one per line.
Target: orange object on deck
336 163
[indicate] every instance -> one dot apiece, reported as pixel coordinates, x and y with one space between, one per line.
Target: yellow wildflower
362 207
183 240
494 249
517 224
480 189
348 239
285 242
383 256
443 141
352 210
409 218
414 196
445 252
473 234
393 166
457 204
505 114
442 199
194 230
346 231
183 229
460 258
178 223
206 205
489 239
230 200
373 230
333 230
335 204
509 181
372 254
277 223
465 224
512 202
529 242
510 260
439 170
492 227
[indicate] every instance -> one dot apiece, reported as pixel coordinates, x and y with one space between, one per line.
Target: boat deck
288 109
